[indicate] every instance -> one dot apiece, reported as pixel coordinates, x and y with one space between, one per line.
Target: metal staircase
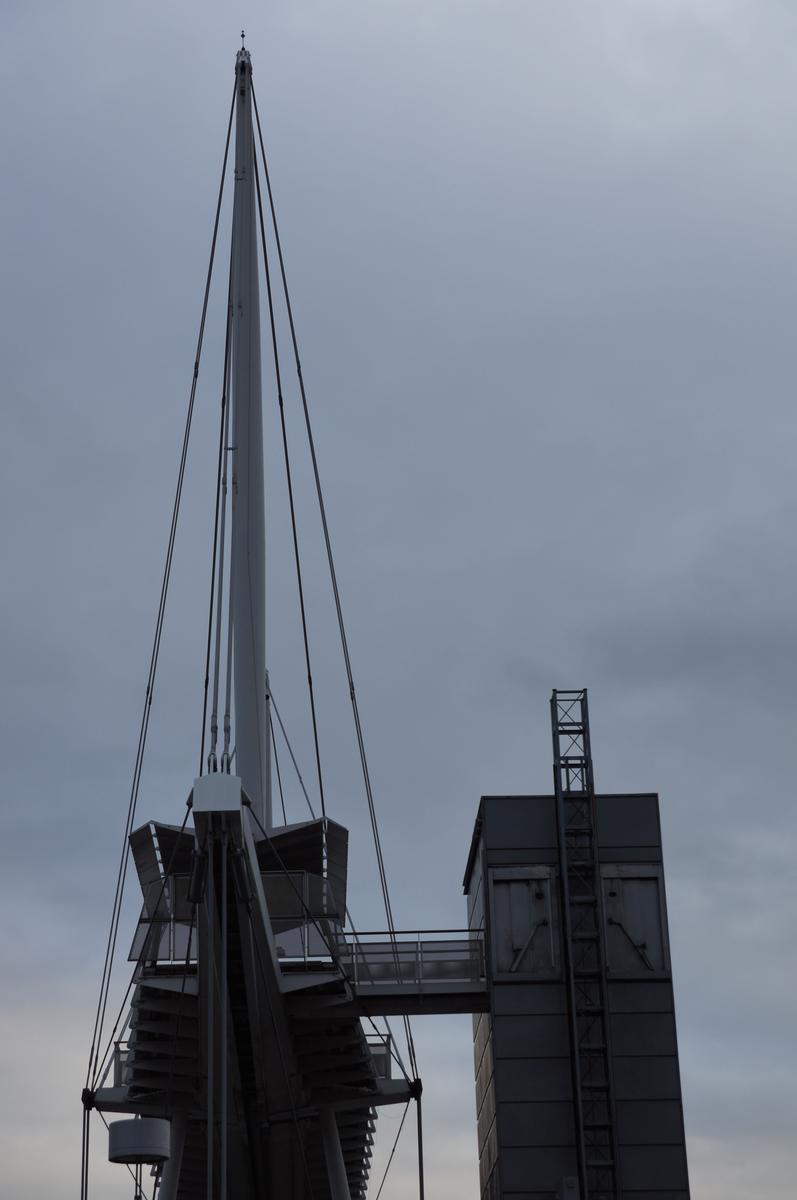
584 948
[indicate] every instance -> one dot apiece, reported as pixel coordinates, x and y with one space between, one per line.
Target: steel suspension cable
393 1044
226 760
302 902
88 1093
289 479
332 571
140 1194
326 940
220 592
218 546
153 664
393 1151
168 1094
293 758
141 955
277 767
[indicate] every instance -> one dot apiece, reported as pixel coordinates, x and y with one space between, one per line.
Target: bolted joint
87 1098
416 1088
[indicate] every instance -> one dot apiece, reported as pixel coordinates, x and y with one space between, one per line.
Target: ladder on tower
584 948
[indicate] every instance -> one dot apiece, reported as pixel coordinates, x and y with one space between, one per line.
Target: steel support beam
170 1175
333 1153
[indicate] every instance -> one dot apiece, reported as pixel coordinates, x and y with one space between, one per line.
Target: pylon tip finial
243 53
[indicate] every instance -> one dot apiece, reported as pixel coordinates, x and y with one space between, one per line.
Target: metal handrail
369 957
385 933
418 961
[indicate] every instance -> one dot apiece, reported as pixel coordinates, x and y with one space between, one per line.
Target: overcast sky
544 266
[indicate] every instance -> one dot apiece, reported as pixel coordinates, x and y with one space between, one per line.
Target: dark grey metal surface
524 1092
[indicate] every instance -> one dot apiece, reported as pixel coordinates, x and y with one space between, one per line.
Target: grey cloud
543 266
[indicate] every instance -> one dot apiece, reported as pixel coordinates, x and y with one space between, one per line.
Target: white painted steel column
248 566
336 1167
170 1176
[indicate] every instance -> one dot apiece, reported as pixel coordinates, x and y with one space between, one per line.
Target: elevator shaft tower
578 1093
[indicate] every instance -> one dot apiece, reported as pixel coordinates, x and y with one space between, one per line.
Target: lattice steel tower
583 925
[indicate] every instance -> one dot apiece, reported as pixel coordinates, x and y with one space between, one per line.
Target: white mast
248 583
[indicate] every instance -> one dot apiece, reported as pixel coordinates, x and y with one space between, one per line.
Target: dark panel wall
526 1128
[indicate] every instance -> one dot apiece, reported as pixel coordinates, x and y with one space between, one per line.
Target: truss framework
584 948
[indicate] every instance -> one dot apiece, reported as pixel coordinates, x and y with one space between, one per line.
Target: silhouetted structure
577 1083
